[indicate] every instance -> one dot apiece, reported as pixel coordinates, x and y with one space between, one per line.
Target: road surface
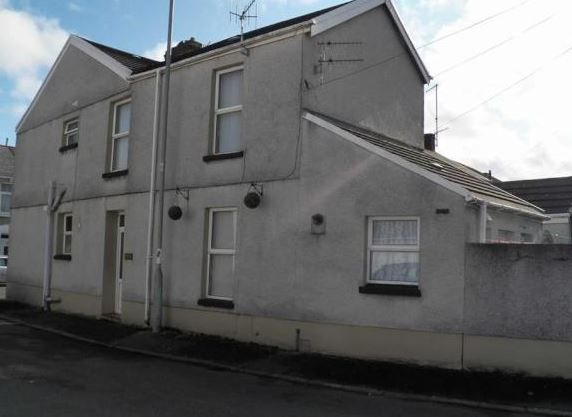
46 375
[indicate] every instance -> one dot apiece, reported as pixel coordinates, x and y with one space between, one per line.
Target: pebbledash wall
517 312
293 289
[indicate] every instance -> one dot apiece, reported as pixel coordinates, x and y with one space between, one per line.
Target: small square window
66 232
71 132
393 250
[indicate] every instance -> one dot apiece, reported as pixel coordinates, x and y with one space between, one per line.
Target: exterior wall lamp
253 197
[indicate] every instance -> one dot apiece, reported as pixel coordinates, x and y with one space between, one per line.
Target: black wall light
175 212
253 197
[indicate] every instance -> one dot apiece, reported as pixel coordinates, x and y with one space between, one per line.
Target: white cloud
524 132
157 52
74 7
29 44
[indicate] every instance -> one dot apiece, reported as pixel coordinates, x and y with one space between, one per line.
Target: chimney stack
430 142
185 48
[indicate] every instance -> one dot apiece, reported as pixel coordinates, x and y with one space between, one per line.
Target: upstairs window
5 199
71 132
120 135
393 250
228 111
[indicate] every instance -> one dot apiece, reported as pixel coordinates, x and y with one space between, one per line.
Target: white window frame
212 251
66 233
391 248
2 194
226 110
115 136
68 133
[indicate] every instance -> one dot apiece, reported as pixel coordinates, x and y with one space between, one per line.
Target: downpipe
152 195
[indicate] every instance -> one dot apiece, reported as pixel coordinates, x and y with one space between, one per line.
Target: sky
502 66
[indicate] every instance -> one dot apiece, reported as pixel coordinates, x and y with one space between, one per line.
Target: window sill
69 147
62 257
391 289
114 174
223 156
215 302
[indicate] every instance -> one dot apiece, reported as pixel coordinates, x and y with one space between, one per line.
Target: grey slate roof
134 62
6 161
552 194
436 163
139 64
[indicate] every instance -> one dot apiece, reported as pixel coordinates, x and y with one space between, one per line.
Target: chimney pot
430 141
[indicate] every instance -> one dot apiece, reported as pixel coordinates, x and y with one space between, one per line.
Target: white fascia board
101 57
495 204
457 189
342 14
357 7
90 50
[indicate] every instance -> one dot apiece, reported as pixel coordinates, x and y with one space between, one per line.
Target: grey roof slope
139 64
552 194
134 62
436 163
6 161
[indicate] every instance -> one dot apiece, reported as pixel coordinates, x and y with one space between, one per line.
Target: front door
119 261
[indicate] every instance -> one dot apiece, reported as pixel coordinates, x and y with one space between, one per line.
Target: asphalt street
46 375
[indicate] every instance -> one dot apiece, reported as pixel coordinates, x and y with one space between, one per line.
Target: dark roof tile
134 62
552 194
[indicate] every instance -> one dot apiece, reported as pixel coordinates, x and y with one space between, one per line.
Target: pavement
60 365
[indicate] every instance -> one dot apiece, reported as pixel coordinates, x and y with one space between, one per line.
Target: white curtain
122 118
221 280
223 230
394 232
120 153
228 132
230 90
395 266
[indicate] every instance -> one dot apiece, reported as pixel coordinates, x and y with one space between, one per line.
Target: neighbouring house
6 179
554 195
352 238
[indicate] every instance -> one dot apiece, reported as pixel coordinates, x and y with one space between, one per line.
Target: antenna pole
436 113
157 319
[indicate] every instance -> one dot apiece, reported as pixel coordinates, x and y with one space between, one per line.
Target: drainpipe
483 223
157 317
51 208
48 249
152 190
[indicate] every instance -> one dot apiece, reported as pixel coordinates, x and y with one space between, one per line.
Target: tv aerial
243 17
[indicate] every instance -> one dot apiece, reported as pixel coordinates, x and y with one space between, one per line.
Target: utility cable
509 87
391 58
475 24
495 46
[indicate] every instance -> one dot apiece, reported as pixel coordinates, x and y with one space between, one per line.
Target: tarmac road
46 375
